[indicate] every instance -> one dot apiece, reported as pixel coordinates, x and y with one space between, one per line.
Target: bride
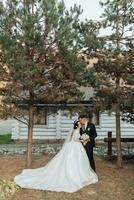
68 171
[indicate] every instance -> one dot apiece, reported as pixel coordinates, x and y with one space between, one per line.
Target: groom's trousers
89 150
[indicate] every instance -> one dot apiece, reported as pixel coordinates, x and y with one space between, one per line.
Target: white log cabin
59 125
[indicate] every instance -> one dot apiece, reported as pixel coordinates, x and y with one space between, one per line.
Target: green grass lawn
5 139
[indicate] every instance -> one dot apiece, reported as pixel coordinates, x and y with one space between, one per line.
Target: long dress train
68 171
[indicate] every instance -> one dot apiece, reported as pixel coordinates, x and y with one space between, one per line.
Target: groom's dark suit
91 131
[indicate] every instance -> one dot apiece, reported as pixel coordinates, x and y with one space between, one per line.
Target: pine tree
40 41
115 65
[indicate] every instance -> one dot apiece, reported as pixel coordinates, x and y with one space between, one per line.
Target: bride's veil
68 138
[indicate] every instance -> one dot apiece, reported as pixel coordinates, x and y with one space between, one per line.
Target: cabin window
40 117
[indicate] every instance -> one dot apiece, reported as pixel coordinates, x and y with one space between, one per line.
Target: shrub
7 188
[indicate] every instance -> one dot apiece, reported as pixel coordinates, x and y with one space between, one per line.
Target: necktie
83 127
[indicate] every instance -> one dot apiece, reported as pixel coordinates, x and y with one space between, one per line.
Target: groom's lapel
88 127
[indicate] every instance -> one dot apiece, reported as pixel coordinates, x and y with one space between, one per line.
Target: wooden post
109 152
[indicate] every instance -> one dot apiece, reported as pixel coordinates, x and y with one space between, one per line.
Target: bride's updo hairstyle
76 124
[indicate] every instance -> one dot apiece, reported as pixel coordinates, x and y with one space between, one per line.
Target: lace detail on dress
76 135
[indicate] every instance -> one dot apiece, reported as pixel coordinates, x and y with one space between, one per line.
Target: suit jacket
91 131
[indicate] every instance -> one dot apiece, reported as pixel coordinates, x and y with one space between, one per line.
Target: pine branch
20 121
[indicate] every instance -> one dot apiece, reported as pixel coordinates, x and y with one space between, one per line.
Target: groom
89 129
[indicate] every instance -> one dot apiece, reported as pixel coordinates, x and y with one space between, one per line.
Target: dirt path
114 184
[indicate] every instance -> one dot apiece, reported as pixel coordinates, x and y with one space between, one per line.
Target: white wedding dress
68 171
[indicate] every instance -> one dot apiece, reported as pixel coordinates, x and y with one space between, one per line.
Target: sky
91 8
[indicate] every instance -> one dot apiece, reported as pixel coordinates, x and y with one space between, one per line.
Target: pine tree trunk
118 123
118 137
30 132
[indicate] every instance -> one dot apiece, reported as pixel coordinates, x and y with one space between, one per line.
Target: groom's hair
82 116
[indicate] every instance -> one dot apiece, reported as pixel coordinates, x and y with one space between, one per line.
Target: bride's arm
75 135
